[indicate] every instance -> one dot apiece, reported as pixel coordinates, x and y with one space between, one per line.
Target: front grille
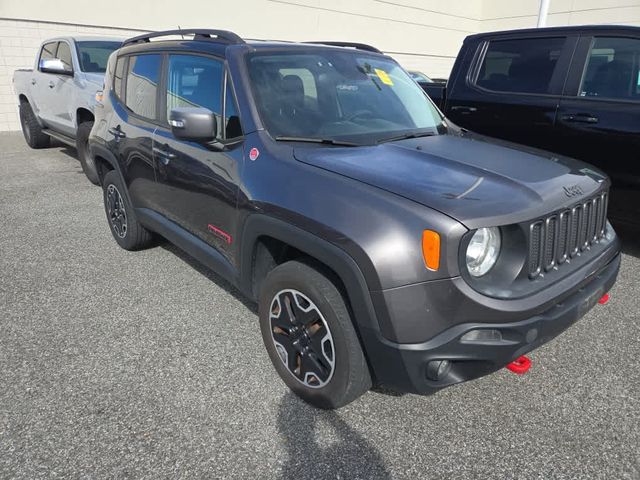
563 235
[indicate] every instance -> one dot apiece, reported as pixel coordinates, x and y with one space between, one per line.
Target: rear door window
142 81
613 69
521 66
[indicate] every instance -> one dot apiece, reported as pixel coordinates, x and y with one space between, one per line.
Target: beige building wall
421 34
511 14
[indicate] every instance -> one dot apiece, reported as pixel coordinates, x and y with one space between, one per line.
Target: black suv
383 244
571 90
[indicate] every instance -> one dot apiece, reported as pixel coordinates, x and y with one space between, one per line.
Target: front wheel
82 146
308 333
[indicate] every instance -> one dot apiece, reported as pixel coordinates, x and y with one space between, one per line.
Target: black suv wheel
82 146
31 128
307 330
124 225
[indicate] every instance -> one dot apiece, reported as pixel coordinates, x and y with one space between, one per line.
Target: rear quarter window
118 78
522 66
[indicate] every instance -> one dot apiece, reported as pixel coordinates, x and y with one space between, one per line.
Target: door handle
580 117
463 109
164 155
116 132
51 84
33 81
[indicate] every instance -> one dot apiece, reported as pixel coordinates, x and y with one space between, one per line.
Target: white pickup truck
58 96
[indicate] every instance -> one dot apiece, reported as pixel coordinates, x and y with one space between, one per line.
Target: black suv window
523 66
143 77
613 69
232 125
195 81
118 77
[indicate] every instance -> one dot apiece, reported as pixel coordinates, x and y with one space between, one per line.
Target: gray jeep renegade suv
383 244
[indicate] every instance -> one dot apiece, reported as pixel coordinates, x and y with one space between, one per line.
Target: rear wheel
31 129
310 338
82 144
124 225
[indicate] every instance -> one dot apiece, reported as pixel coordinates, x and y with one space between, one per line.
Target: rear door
512 90
599 117
198 182
135 118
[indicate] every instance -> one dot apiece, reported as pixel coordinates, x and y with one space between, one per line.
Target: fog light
485 335
437 369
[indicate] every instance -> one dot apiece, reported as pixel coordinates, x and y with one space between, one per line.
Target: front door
63 91
198 182
600 118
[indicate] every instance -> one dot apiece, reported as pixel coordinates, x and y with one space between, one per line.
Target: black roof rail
198 33
357 46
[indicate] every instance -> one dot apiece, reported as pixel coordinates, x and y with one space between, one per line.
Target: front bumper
406 366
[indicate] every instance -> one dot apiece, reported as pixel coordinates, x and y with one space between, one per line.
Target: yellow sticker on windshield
382 75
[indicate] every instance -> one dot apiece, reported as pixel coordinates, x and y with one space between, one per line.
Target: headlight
483 251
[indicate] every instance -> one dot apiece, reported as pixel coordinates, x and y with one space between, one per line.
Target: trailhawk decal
220 233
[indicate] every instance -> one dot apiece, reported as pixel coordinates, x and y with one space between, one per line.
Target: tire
82 145
31 128
329 370
124 225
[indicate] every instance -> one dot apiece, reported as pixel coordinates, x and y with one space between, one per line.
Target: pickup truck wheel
82 145
310 338
124 225
31 128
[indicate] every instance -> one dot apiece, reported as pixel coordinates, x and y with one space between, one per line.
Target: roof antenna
181 34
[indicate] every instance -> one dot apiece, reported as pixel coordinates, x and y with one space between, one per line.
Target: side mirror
55 65
196 124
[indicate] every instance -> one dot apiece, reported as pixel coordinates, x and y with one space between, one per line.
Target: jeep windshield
332 96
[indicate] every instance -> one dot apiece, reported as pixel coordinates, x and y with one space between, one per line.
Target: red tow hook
604 300
520 365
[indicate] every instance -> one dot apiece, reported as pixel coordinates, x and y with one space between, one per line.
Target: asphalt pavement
146 365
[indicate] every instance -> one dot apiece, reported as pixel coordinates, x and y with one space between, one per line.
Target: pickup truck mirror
55 65
196 124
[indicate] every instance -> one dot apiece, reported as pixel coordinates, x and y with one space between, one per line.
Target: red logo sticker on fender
254 153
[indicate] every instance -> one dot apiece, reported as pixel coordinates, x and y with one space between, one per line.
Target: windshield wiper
405 136
325 141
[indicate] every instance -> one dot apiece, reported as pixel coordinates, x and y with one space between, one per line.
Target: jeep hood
477 181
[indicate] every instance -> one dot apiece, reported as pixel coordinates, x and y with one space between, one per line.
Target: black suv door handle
463 109
116 132
580 117
164 155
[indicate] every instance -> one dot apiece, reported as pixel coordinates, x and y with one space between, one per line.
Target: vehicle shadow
207 273
321 445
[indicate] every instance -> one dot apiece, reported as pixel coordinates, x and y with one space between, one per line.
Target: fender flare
97 150
339 261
